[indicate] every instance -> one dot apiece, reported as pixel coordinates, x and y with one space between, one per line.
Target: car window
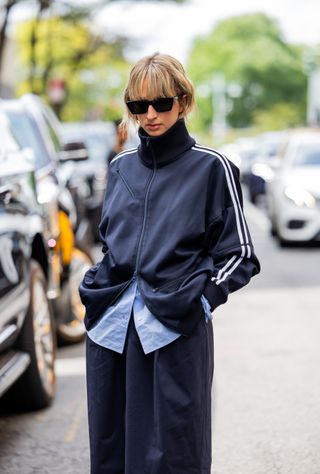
28 136
8 143
308 155
271 149
98 146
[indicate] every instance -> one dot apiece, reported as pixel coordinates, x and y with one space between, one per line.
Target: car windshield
270 150
308 155
28 136
8 144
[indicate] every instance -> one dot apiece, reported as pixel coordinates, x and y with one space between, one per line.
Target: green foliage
93 70
278 117
257 63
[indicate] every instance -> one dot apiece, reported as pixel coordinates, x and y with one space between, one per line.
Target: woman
175 244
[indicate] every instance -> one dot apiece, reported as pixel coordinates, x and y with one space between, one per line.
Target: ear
182 105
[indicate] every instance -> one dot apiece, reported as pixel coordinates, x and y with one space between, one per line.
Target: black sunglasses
162 104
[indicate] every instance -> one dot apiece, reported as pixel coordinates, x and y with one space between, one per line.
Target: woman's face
156 123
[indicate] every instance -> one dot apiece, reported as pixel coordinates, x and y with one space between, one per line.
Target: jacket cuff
214 294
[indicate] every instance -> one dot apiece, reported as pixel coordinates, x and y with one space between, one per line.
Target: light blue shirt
110 331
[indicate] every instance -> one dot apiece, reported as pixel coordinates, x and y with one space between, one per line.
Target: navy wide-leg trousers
151 414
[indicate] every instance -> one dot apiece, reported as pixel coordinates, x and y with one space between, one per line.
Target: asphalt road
266 388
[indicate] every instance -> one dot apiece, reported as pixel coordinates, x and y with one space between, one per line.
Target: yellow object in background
65 242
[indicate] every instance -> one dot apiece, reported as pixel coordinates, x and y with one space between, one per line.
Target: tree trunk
3 29
43 5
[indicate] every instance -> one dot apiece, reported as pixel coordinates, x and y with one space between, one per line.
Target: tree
76 12
91 68
69 12
5 8
260 68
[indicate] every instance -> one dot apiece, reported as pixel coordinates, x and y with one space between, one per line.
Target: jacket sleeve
228 239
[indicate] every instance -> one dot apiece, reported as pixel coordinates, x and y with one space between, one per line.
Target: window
28 136
8 143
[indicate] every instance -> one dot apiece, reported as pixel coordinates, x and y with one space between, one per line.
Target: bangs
158 84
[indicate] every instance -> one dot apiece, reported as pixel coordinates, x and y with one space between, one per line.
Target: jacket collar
167 147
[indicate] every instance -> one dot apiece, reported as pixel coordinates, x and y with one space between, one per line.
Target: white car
293 195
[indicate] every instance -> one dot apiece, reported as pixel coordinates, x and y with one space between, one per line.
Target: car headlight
300 197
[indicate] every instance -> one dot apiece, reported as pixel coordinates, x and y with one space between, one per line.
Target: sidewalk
267 383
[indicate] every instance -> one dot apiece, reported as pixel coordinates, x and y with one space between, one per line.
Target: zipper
125 183
145 208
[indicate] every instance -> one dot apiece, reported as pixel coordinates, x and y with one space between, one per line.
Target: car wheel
285 243
69 309
36 387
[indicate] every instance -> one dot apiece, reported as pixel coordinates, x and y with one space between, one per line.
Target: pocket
90 274
97 300
193 276
99 275
172 284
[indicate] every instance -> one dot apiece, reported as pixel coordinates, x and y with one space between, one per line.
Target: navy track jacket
172 218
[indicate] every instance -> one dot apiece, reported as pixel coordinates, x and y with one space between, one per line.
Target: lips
153 126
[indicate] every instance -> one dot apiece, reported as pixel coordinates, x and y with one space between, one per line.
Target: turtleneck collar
165 148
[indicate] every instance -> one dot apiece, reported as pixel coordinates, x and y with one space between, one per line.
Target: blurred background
256 69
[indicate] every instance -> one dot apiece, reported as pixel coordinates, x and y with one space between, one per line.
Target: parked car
27 329
67 155
67 260
293 196
261 171
99 138
246 149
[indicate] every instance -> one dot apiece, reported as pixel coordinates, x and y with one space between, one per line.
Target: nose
151 112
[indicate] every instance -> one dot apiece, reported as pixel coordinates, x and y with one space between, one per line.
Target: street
266 407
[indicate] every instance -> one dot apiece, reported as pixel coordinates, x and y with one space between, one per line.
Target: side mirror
74 151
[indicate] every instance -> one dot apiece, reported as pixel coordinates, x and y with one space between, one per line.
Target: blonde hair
164 76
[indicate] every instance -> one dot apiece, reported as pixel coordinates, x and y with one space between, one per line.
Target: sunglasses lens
137 107
163 104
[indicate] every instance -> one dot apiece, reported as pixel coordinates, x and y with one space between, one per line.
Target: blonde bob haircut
164 76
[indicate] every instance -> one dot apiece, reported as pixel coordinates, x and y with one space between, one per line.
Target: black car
99 138
70 157
68 261
27 330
